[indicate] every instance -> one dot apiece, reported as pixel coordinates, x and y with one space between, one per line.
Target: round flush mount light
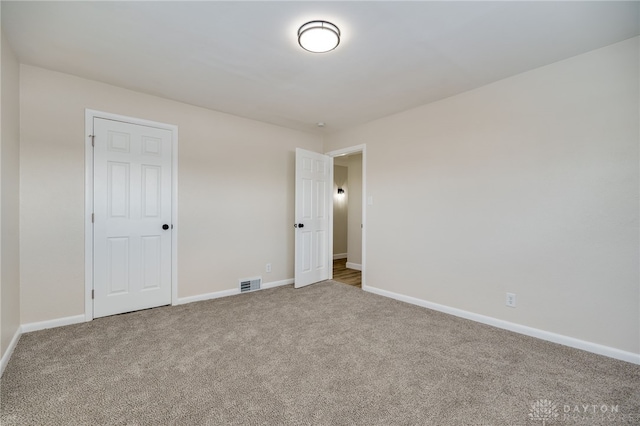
318 36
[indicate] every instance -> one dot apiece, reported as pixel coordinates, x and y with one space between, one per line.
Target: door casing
88 233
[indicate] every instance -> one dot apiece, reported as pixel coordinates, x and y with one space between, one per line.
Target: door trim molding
89 115
355 150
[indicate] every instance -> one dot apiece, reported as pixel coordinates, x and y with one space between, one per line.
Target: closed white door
312 205
132 222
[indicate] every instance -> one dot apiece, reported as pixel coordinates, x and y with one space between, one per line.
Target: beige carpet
324 354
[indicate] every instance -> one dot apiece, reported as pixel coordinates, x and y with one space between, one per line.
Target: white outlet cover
511 300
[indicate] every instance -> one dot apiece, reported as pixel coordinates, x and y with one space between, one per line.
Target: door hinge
93 294
93 140
93 217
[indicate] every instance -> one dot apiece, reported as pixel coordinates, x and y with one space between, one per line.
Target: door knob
298 225
165 226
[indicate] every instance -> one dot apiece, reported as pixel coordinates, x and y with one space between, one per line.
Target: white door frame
344 151
89 115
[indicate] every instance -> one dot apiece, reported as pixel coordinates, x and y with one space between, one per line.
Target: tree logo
544 411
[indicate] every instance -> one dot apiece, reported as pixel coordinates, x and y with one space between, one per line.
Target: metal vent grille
250 284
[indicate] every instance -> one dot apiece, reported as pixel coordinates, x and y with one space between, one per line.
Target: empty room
180 179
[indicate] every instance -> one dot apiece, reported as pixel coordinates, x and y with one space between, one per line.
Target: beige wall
235 196
9 197
354 243
2 65
340 210
529 185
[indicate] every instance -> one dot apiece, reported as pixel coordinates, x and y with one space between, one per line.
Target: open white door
313 203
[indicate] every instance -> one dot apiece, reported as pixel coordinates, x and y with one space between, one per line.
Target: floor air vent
250 284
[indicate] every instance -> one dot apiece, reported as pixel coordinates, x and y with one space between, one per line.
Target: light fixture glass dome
318 36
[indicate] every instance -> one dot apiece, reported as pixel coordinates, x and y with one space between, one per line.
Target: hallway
345 275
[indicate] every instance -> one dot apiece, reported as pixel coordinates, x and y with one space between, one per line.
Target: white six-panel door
312 206
132 203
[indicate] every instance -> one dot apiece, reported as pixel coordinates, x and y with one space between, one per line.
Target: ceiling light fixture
318 36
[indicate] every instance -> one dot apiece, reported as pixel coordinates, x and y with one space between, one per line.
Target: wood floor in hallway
345 275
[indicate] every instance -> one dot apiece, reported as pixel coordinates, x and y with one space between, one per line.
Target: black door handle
165 226
298 225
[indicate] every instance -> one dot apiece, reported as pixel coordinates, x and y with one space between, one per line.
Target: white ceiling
243 58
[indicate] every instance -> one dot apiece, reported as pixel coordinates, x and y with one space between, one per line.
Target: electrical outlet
268 268
511 300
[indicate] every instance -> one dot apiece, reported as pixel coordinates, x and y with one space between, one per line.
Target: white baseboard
208 296
356 266
522 329
230 292
59 322
276 283
7 354
340 256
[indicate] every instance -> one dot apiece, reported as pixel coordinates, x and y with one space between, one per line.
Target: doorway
130 238
314 221
348 215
